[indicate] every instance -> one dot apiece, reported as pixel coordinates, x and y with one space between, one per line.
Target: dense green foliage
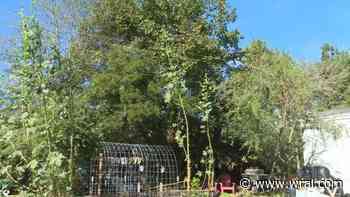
43 126
331 78
155 72
268 108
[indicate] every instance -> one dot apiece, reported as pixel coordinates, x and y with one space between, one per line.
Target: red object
225 184
228 189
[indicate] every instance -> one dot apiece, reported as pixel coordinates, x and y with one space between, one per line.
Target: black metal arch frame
131 168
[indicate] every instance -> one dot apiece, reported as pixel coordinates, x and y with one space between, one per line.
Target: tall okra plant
205 106
30 158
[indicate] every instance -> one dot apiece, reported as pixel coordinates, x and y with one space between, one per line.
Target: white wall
322 148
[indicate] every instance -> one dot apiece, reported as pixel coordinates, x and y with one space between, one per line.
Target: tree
136 71
327 52
178 43
126 97
331 78
268 108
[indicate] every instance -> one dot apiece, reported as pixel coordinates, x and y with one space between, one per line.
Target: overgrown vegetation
158 72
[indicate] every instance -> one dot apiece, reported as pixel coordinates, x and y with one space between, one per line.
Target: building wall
330 145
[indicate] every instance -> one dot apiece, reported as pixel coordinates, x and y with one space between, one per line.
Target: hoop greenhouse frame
131 168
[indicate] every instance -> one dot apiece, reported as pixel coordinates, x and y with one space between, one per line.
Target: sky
297 27
9 20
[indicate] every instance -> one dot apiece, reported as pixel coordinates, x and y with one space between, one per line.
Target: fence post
138 187
233 189
100 163
161 189
91 189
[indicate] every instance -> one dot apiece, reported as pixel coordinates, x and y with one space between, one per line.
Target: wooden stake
99 186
